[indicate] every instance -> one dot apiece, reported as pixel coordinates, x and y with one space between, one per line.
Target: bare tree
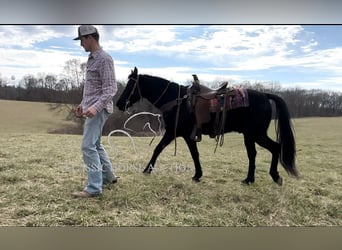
29 81
75 73
71 84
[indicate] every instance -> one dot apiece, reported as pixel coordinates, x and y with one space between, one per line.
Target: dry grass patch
38 172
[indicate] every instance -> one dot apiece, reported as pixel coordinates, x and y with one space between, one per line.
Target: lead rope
177 118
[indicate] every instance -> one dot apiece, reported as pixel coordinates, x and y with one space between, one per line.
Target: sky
293 56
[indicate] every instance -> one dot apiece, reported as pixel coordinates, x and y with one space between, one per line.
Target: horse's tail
285 135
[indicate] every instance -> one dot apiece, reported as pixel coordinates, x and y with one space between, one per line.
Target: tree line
65 92
303 102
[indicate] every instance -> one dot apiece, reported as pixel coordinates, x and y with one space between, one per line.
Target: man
97 104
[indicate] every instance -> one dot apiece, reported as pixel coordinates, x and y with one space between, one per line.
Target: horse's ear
135 71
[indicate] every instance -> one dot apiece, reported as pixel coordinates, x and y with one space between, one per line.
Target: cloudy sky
304 56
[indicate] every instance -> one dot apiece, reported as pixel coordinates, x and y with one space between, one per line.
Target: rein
162 94
136 85
177 118
167 106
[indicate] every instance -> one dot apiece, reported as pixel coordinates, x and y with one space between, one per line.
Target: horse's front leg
195 156
167 138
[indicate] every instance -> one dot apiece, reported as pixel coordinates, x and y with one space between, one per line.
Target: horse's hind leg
274 148
251 152
167 138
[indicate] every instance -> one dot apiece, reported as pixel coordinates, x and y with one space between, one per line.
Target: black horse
252 121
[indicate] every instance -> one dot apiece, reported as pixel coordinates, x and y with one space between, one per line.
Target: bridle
136 86
177 102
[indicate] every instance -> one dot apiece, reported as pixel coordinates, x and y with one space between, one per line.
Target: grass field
38 172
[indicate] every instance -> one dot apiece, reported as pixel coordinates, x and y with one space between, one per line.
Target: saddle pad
236 98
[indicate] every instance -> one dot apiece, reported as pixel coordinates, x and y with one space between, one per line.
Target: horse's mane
156 78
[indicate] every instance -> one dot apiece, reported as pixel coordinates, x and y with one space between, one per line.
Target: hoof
147 171
195 179
247 182
279 181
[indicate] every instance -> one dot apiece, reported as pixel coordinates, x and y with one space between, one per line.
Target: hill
30 117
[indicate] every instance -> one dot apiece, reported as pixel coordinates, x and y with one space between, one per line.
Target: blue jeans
98 166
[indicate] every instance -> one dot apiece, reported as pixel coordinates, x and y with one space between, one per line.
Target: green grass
38 172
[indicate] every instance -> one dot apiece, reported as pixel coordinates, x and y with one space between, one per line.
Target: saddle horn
195 78
196 84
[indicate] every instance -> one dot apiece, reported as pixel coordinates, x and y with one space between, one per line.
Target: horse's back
252 119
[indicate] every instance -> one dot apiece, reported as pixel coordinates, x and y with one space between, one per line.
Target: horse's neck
159 94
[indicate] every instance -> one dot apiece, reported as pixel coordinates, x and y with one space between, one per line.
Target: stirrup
196 135
198 138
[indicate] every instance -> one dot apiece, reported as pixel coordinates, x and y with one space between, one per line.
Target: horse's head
131 93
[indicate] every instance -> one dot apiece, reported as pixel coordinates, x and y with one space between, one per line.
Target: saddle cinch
204 102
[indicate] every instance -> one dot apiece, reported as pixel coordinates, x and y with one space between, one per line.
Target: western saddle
204 102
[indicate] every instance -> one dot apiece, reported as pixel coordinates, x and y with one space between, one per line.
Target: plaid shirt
100 84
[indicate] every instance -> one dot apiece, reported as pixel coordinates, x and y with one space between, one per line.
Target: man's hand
91 112
79 111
